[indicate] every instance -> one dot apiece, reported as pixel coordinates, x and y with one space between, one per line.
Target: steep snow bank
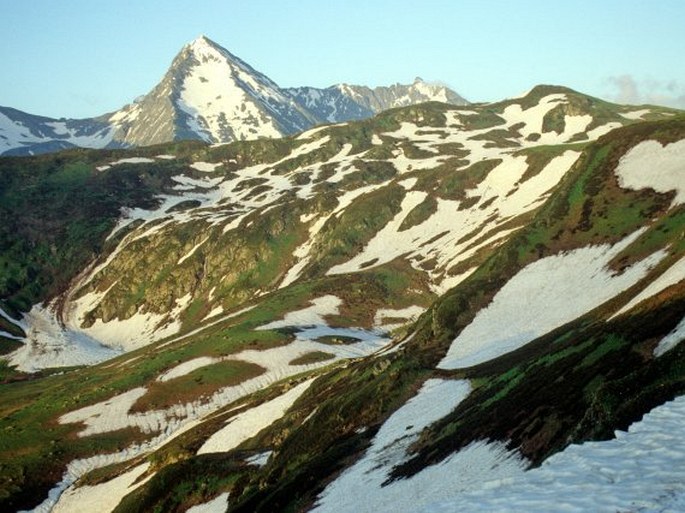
642 470
359 489
536 301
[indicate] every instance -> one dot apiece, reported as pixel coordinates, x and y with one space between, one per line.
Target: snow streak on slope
649 164
642 470
536 301
671 340
104 497
360 489
674 274
500 196
246 425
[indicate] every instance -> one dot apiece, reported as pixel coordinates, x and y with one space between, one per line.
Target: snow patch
187 367
104 497
536 301
635 114
247 424
192 251
206 167
598 132
674 274
105 416
132 160
260 459
410 313
388 243
651 165
360 488
48 344
671 340
312 315
140 329
533 117
642 470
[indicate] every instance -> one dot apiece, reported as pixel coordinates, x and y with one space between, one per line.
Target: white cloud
628 89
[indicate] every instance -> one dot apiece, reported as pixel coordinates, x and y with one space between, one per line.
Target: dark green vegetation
580 382
58 209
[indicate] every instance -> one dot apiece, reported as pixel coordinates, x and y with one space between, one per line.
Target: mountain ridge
292 321
233 102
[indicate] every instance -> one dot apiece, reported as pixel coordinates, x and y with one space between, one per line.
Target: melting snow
309 316
536 301
140 329
192 251
642 470
533 117
48 344
388 243
671 340
598 132
636 114
247 424
187 367
106 416
260 459
406 313
359 489
674 274
651 165
206 167
132 160
104 497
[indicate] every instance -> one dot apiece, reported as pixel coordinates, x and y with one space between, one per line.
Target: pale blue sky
78 58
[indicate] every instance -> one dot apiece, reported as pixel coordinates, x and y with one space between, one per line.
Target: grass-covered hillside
354 311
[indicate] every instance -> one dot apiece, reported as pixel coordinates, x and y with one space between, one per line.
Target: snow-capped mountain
345 102
211 95
26 134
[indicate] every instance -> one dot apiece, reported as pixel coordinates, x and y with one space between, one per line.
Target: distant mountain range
211 95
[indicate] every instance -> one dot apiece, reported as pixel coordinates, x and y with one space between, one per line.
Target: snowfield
359 489
536 301
48 344
642 470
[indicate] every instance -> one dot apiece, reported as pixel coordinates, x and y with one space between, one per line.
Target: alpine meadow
232 296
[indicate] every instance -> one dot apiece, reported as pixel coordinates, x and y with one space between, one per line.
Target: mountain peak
202 46
202 41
